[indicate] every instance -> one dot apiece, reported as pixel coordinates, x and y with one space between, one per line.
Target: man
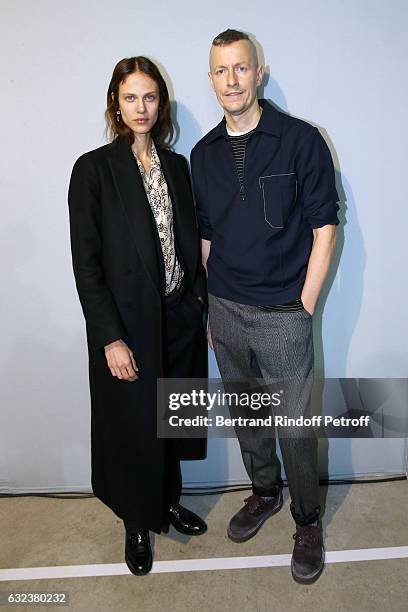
267 211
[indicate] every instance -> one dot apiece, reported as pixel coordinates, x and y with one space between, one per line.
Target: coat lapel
130 187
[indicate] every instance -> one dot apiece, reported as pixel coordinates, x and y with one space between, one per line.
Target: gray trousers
259 345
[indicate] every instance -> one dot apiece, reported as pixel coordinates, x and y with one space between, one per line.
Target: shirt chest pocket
279 193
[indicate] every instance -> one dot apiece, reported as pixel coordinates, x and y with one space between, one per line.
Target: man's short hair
230 36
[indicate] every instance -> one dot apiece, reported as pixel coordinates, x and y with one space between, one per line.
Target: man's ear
112 96
260 73
211 80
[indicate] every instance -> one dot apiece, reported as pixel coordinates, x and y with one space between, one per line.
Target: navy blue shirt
261 233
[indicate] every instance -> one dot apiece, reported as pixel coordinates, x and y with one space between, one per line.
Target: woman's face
139 102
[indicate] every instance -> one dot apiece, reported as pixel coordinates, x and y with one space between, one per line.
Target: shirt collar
269 123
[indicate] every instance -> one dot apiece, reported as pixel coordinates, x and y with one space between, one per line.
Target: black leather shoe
138 552
186 521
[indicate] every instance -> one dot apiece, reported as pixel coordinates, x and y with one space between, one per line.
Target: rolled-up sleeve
197 174
315 174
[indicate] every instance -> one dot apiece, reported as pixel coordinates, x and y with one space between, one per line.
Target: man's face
235 76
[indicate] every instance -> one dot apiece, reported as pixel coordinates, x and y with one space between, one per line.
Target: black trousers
185 354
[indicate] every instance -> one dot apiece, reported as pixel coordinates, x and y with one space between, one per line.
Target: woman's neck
142 145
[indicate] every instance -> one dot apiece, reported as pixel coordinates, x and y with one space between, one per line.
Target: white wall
338 64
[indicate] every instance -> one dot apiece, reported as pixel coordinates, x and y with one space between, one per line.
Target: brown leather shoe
308 553
247 521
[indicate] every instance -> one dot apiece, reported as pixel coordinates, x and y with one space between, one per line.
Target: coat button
128 272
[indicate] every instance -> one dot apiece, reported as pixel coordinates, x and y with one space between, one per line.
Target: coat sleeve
102 317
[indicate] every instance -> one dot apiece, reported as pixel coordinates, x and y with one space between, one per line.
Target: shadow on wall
181 116
192 132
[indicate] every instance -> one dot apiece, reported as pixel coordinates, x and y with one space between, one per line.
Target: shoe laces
307 535
255 504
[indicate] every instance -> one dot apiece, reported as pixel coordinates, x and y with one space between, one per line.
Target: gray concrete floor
45 532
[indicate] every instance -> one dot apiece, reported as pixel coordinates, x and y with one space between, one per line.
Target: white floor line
196 565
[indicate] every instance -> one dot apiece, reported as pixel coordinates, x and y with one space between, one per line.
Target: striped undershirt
238 144
290 307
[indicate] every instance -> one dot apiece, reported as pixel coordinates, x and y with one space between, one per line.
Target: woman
135 253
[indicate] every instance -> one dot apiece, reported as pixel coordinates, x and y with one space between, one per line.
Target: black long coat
117 274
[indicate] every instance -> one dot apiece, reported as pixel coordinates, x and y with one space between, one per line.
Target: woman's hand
120 361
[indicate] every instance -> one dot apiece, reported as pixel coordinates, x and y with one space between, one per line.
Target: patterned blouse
159 199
